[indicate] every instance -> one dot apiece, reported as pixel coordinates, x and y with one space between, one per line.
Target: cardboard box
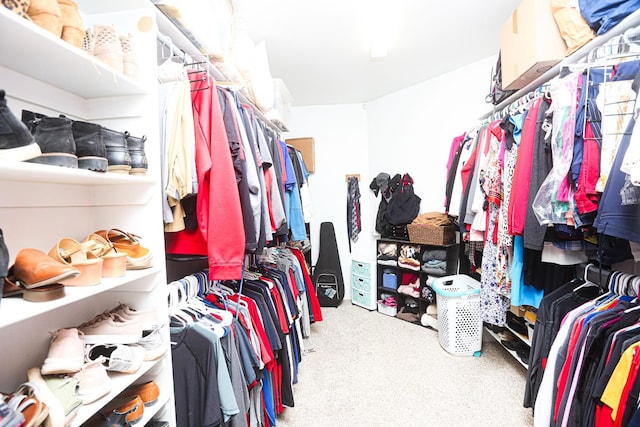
530 44
306 148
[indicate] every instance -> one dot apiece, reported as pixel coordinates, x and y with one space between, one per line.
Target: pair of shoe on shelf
39 277
105 253
61 398
59 17
116 51
85 145
60 141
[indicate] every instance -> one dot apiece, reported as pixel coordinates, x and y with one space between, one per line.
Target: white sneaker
93 381
153 343
148 317
66 352
111 328
117 357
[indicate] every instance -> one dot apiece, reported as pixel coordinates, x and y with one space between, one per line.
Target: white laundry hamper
459 317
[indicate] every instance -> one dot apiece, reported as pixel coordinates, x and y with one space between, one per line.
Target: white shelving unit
511 352
41 204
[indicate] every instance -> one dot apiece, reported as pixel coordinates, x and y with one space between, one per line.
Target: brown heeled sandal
138 257
114 262
79 256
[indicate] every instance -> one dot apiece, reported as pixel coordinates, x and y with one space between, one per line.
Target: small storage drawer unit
362 269
362 292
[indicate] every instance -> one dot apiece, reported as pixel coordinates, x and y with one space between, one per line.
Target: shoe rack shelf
511 352
36 46
119 382
41 204
16 310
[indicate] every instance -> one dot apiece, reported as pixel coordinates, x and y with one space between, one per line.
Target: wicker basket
431 235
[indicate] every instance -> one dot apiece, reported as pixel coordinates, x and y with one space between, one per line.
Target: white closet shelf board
88 78
120 381
15 309
525 339
631 21
65 187
512 353
33 172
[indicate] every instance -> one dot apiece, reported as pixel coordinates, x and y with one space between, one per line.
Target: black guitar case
327 273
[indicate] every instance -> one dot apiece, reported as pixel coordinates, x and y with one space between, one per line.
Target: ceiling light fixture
377 29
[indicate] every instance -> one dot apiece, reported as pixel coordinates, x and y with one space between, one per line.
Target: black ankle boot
117 152
16 142
90 149
136 151
55 138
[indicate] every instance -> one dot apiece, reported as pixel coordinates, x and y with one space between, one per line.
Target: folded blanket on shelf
432 254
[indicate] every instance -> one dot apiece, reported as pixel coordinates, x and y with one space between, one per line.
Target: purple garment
291 175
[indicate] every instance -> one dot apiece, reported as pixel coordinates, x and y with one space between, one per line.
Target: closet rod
630 21
594 274
182 43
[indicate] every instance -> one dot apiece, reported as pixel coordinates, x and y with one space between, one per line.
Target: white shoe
117 357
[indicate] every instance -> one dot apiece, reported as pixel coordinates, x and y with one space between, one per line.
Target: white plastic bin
459 318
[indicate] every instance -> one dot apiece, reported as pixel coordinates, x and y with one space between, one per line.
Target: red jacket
219 214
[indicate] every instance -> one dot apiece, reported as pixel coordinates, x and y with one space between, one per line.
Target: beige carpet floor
363 368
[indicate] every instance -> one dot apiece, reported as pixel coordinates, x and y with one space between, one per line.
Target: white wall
341 148
408 131
411 130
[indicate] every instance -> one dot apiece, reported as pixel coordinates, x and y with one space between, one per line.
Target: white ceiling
319 50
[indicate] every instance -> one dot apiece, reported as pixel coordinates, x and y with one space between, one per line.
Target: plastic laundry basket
459 319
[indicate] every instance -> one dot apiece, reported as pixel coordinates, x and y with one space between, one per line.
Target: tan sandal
138 257
70 251
114 263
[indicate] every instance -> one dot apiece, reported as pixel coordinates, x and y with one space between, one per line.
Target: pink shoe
66 352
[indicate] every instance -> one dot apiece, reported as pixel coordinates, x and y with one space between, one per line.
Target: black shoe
55 138
118 156
515 345
136 151
16 142
90 149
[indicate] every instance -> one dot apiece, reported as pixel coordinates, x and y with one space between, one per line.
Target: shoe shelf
523 338
41 204
511 352
15 310
75 71
119 382
29 185
38 173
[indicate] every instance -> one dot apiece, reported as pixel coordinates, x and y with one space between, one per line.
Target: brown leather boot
46 14
33 268
72 26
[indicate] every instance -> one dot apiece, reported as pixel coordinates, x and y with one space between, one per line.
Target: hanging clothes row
545 187
586 358
236 345
230 183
